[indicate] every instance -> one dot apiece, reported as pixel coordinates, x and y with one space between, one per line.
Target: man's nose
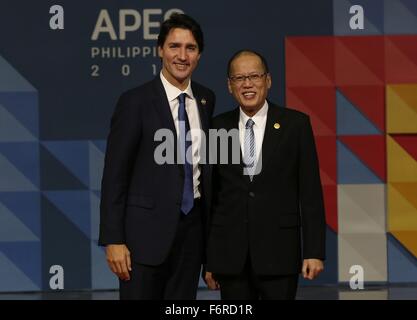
182 54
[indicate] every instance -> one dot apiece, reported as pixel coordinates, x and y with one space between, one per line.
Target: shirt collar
172 91
257 118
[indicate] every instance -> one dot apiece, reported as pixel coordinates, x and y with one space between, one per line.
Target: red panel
319 103
326 149
401 59
371 150
408 142
309 61
330 204
370 100
359 61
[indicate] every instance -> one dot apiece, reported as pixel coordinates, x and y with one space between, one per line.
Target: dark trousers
178 276
249 286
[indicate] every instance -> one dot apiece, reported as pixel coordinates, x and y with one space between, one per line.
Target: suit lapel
272 135
161 104
202 110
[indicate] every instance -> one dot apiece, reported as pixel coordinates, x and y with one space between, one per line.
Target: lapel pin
203 101
277 125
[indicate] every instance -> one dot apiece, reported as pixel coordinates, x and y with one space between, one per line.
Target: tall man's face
180 55
249 83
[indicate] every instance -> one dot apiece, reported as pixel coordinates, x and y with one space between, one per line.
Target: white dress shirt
191 107
258 128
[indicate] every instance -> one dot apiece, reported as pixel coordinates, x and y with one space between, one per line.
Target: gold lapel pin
277 125
203 101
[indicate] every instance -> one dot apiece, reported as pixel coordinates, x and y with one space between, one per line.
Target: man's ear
229 86
268 81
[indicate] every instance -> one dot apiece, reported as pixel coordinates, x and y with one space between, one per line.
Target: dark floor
377 292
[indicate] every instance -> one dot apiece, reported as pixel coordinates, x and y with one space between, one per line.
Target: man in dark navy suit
268 222
152 214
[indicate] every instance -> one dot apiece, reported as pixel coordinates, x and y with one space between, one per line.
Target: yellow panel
402 206
401 167
408 239
401 103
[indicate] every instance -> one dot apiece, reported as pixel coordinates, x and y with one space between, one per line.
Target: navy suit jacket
140 200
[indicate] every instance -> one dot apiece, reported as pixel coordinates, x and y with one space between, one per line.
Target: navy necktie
184 126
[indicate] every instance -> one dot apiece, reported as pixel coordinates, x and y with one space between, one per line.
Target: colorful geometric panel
368 250
310 61
351 169
359 215
375 93
368 100
400 59
358 61
402 108
370 149
319 104
402 265
401 166
350 120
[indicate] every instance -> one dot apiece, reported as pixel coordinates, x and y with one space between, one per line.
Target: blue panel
101 276
54 175
72 154
402 265
400 16
350 121
12 278
330 273
26 207
100 144
96 159
27 257
25 157
75 205
95 215
24 107
11 130
10 78
64 244
351 170
373 17
12 179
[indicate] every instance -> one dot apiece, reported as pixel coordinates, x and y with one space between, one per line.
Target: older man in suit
153 214
267 221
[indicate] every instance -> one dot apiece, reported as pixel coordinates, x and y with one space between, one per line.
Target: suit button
252 194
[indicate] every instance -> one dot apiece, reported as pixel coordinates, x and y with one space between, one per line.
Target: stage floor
376 292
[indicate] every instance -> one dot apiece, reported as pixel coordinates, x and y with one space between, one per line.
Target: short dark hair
246 51
178 20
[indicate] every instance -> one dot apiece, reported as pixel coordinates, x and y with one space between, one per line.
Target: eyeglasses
254 77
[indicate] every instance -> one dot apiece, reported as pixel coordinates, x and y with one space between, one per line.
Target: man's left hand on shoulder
312 268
